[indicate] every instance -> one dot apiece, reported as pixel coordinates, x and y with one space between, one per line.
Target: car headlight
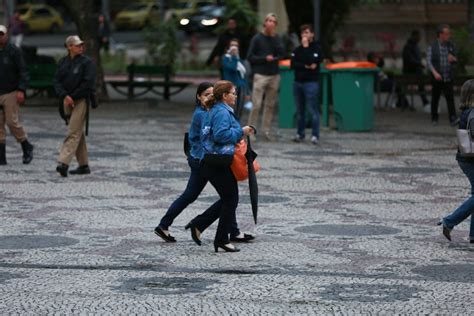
209 22
184 21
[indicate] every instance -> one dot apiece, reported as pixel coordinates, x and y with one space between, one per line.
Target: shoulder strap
469 118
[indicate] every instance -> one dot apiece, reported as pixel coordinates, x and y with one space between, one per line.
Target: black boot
3 157
27 151
62 169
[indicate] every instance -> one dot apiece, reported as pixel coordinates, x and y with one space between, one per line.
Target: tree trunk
333 15
470 13
85 14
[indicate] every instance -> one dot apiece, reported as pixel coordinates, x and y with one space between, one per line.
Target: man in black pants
441 56
412 64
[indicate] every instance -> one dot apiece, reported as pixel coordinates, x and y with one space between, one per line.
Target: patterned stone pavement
345 227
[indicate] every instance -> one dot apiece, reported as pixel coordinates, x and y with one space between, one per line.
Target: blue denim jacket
195 131
220 130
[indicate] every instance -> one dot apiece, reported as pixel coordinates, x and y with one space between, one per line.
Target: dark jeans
223 180
196 183
467 208
307 97
447 89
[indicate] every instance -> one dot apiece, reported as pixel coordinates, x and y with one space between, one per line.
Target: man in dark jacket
13 84
306 60
440 56
265 50
231 33
74 83
412 63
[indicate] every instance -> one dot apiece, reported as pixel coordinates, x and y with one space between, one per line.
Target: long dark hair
203 86
220 87
467 94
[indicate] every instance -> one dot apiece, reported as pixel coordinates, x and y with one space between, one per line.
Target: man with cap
74 83
13 84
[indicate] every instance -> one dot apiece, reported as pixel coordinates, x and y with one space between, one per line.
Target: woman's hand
248 130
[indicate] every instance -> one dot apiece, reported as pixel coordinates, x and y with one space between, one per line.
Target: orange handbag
239 165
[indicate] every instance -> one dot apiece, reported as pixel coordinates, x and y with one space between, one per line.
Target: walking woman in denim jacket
196 182
220 132
467 166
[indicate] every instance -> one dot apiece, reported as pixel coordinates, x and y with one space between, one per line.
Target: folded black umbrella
186 144
253 186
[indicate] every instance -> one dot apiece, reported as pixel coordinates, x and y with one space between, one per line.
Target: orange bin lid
351 64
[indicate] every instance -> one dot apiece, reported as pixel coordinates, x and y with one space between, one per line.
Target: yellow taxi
137 16
40 18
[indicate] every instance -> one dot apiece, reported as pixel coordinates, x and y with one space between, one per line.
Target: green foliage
162 41
114 64
246 17
465 49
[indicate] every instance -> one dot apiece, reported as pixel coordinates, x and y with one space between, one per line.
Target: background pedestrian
74 83
265 51
440 56
305 61
13 84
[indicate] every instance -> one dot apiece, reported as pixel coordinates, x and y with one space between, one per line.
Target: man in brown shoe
13 84
74 83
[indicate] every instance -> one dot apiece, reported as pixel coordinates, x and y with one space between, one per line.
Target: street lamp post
317 18
9 8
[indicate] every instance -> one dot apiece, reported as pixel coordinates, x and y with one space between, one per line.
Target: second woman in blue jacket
220 132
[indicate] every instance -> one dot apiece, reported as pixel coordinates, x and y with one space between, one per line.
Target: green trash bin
286 101
353 98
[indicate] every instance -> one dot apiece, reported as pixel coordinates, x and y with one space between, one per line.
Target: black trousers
447 89
223 180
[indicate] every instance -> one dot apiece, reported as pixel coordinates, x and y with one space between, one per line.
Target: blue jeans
307 97
196 183
467 208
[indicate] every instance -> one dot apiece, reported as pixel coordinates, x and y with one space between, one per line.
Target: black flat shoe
161 233
446 231
246 238
81 170
194 231
224 246
249 236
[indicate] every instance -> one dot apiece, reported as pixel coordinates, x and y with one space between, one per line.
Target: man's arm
22 70
432 69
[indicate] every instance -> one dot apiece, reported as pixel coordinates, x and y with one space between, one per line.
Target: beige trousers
268 86
75 142
9 115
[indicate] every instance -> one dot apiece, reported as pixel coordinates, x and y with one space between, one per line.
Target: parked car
40 18
186 8
206 19
137 16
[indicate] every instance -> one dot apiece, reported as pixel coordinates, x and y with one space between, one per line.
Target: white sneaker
314 140
427 108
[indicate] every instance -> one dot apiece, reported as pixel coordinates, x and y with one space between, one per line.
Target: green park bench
41 78
148 79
